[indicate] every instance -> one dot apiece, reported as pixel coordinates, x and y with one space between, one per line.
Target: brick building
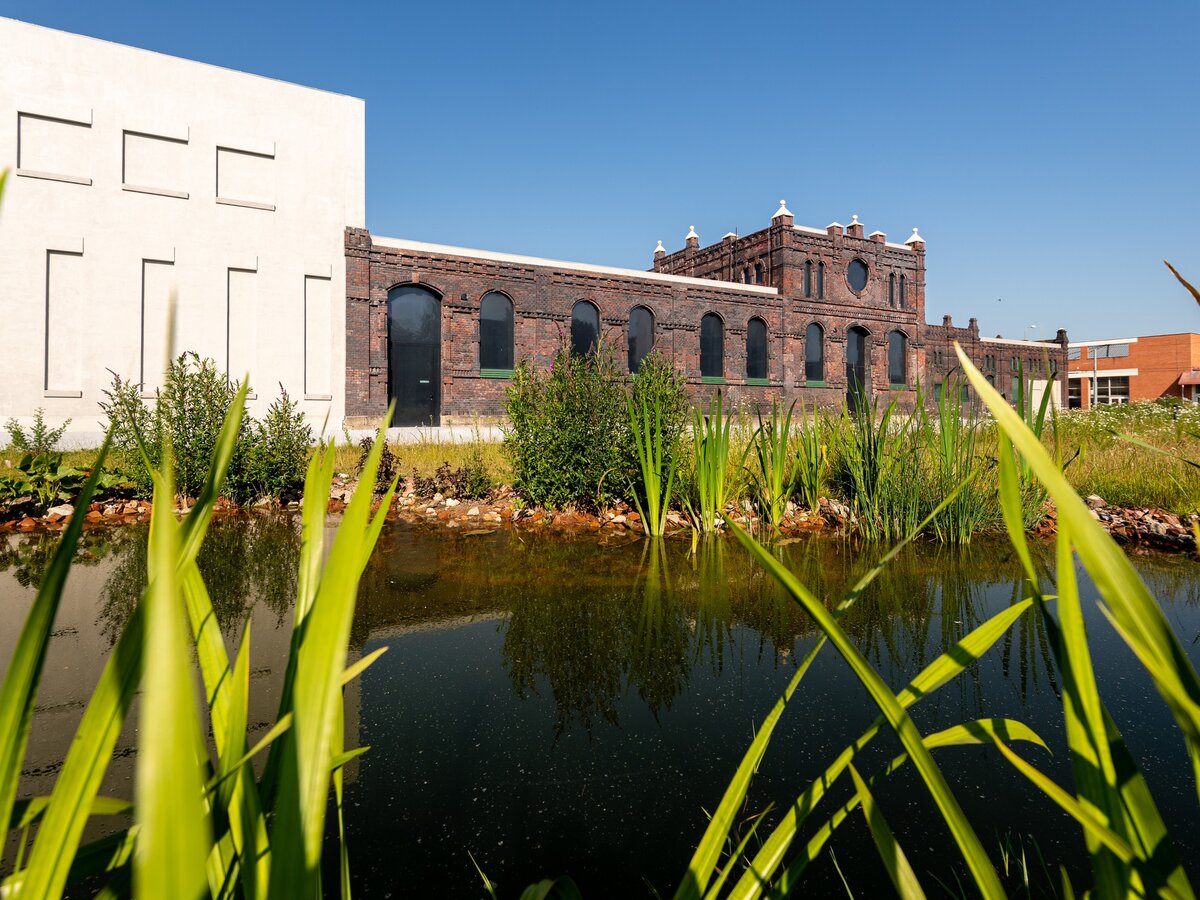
1128 370
831 315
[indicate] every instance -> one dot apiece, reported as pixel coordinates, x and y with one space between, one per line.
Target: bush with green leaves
269 456
659 386
568 434
40 438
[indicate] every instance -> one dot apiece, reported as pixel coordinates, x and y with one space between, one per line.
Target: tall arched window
641 335
712 346
495 333
814 353
821 281
897 358
585 327
892 289
808 278
414 354
756 350
758 273
903 285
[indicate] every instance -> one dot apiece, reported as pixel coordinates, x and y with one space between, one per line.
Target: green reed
950 441
773 477
710 453
812 458
656 460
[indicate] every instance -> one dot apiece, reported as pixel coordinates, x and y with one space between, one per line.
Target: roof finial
660 248
915 238
854 219
692 233
782 211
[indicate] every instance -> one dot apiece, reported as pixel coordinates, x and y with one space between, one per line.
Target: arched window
821 281
756 350
814 353
585 327
495 332
808 278
641 336
892 289
758 273
903 284
897 358
746 275
712 346
858 359
414 354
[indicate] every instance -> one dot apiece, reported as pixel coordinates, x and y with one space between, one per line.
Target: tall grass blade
899 870
18 693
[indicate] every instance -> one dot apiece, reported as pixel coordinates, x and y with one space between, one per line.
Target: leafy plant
40 438
774 476
710 456
657 465
387 467
812 459
48 480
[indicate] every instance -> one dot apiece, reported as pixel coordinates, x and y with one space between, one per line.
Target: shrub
271 460
40 439
386 472
658 386
568 434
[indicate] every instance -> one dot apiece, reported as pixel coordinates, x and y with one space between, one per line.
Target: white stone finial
854 219
692 233
915 238
660 248
782 211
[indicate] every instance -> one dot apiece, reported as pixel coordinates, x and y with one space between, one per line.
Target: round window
856 275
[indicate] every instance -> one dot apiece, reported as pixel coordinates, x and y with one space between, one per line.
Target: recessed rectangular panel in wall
245 178
318 313
242 296
54 148
65 305
158 285
154 165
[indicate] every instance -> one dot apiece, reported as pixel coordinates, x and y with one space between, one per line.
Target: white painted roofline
1102 343
1015 342
469 253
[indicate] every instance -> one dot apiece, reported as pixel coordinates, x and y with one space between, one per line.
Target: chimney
834 229
947 321
878 237
692 240
660 253
855 228
916 242
974 326
1061 337
729 238
783 215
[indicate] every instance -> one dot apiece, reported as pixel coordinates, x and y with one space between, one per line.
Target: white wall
137 175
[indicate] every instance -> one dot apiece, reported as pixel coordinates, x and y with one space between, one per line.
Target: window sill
53 176
758 382
160 192
712 379
898 387
318 396
62 395
496 373
815 384
247 204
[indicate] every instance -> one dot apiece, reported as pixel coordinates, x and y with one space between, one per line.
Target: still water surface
558 707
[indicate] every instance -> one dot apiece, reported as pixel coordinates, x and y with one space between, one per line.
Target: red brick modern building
830 314
1128 370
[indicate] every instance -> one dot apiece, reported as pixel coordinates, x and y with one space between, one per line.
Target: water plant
878 471
657 463
951 444
710 474
199 822
812 459
773 476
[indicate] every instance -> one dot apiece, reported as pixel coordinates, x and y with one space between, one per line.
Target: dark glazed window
756 349
712 346
758 273
495 331
897 358
814 353
414 354
585 328
641 335
808 278
892 289
903 285
856 275
821 281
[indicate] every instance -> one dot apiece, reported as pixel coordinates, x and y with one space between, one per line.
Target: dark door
414 354
856 369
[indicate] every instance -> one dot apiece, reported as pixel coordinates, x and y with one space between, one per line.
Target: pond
573 707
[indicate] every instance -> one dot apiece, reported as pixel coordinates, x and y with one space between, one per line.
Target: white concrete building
135 175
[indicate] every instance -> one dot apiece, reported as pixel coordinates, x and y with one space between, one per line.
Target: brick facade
1159 365
759 275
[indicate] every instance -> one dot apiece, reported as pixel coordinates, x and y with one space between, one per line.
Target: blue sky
1049 152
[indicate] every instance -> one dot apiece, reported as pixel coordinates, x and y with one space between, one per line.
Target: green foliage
660 386
952 458
812 458
268 457
48 480
40 439
710 472
201 822
773 473
386 470
657 465
568 430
